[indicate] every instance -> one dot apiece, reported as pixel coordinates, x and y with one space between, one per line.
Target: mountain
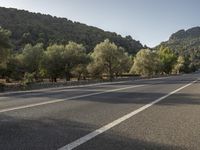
184 40
27 27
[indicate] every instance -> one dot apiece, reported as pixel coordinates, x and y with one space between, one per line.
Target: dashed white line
103 129
70 98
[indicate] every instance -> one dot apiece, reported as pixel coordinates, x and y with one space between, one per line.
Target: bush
29 78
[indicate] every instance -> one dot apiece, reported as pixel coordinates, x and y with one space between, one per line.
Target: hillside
27 27
184 40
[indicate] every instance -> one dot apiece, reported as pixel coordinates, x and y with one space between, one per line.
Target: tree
194 59
95 69
74 56
109 59
80 71
180 65
14 68
52 64
124 62
31 57
5 44
167 59
146 63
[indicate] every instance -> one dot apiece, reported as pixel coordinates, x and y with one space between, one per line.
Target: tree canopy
110 59
146 63
167 59
74 56
31 58
5 44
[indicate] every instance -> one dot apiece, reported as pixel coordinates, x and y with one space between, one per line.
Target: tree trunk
84 77
111 77
110 72
79 77
67 76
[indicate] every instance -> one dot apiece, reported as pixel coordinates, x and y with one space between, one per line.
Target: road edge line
62 100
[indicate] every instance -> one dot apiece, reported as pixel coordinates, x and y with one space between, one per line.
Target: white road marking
76 86
70 98
103 129
63 87
53 92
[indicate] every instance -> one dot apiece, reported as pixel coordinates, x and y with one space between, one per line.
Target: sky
149 21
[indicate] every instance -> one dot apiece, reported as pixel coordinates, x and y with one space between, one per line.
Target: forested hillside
184 40
186 44
35 28
54 48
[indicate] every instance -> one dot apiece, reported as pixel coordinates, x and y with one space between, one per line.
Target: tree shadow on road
51 134
145 98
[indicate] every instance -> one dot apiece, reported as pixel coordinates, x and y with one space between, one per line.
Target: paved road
161 113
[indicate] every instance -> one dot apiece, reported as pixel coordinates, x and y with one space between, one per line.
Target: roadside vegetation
34 63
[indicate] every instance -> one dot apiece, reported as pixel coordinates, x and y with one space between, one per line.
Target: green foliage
5 44
14 68
194 58
74 57
80 71
31 58
186 43
109 59
28 78
183 41
146 63
167 59
36 28
52 64
59 60
57 57
180 66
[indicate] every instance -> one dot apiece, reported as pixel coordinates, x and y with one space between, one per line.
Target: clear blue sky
150 21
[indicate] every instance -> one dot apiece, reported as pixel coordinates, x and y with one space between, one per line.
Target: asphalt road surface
162 113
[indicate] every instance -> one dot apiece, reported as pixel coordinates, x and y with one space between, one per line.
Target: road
162 113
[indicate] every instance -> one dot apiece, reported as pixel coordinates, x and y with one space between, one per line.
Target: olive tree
179 66
31 57
52 64
167 59
75 59
5 44
108 58
145 63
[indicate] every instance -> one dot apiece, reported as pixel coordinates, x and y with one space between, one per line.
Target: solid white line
52 92
103 129
58 89
76 86
70 98
61 88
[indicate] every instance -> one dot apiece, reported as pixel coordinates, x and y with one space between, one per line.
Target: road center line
103 129
70 98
